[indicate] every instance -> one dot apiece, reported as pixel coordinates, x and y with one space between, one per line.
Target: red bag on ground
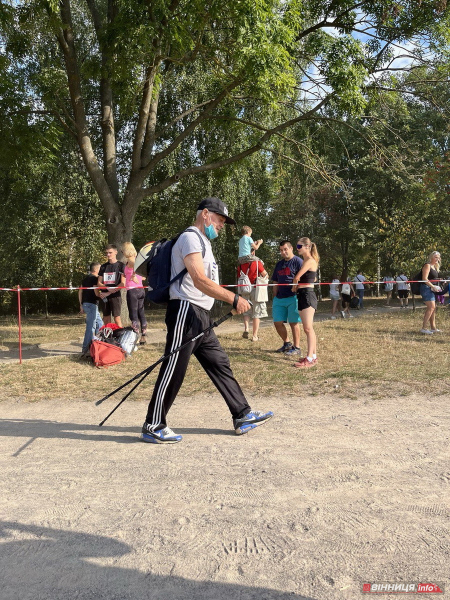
105 355
112 326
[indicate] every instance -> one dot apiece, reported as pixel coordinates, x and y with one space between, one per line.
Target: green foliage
258 101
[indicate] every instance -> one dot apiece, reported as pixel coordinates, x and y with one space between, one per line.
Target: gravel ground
328 495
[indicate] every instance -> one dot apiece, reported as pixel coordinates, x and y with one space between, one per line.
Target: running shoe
245 335
285 347
161 436
305 363
293 351
426 331
251 420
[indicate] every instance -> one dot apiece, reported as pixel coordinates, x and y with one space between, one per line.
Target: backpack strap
199 237
182 273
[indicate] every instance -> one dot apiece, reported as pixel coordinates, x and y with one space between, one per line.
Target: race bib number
109 278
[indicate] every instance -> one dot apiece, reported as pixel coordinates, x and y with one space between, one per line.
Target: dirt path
329 494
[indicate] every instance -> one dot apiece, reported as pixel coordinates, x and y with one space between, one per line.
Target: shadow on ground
41 562
33 429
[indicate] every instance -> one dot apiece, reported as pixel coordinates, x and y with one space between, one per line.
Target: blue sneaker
293 351
161 436
285 347
251 420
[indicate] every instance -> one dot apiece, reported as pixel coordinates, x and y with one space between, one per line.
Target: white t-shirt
334 287
346 289
401 285
359 281
188 243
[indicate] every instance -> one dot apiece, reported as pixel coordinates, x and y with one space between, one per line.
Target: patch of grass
37 329
374 355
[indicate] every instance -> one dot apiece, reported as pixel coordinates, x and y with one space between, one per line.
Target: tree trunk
118 230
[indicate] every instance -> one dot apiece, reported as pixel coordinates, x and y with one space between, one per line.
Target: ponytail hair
314 253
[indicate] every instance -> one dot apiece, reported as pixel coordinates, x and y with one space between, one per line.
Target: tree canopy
155 92
327 119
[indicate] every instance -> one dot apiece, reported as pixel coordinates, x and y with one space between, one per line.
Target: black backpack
354 302
159 265
415 286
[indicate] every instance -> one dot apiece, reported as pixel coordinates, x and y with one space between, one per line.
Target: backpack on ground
127 339
159 263
244 284
112 345
105 354
415 285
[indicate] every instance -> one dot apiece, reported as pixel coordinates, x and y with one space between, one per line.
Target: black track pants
184 321
135 303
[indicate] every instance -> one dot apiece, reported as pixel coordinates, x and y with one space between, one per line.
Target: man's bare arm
194 265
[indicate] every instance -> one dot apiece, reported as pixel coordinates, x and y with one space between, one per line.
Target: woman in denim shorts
428 289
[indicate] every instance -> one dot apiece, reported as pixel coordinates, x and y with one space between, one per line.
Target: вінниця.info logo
402 588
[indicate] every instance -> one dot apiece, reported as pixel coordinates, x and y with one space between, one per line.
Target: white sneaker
351 316
436 330
426 331
333 317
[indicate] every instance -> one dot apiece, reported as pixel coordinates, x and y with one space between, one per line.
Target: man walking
89 306
188 314
359 286
110 276
284 306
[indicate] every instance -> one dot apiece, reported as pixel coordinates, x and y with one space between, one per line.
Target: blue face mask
210 232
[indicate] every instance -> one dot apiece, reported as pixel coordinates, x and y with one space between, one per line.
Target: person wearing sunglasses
306 297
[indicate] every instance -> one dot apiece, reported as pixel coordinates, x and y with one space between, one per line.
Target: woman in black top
430 271
306 297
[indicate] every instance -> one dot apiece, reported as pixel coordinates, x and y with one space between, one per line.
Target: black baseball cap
215 205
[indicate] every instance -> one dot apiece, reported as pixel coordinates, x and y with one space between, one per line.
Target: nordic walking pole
148 370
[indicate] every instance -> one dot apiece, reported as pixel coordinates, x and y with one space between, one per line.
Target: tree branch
106 100
189 129
66 41
163 185
181 116
144 113
324 23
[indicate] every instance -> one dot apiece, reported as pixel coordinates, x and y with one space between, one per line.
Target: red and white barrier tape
119 287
